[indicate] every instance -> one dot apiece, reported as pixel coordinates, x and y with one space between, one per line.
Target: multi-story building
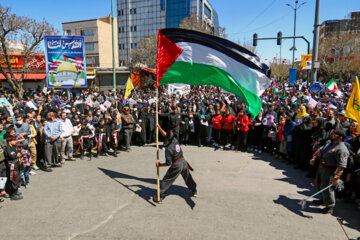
344 26
138 19
98 49
98 40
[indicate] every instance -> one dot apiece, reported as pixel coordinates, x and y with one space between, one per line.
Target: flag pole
157 145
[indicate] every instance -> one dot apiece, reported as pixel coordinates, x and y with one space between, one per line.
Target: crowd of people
43 129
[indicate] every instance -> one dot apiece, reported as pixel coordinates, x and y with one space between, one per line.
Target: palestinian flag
189 57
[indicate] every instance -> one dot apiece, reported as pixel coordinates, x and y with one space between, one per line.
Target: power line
261 13
266 25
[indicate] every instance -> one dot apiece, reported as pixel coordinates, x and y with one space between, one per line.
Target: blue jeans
26 174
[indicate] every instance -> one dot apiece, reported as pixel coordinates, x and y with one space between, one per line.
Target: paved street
241 196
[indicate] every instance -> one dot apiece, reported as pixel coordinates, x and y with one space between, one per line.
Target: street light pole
113 46
295 9
316 43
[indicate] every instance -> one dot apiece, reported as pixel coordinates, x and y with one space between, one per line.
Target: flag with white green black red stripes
190 57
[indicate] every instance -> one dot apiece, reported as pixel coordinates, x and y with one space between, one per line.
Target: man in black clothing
178 165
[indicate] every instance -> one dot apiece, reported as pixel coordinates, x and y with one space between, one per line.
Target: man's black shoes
327 210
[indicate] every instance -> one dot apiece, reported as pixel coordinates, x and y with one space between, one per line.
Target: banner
306 61
292 75
178 89
17 61
65 61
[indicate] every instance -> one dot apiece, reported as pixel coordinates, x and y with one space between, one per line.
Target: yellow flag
353 105
129 88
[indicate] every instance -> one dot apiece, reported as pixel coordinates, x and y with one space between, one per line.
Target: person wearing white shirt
66 138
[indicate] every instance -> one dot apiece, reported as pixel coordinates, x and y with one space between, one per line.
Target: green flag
282 94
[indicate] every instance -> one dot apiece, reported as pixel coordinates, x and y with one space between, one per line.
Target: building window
68 32
121 29
88 32
132 10
133 29
207 11
89 46
162 4
121 12
121 46
133 45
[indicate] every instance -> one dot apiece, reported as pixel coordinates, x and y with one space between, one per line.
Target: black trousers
181 167
13 185
241 140
216 135
227 136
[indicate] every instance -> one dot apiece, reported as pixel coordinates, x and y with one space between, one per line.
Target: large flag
195 58
129 88
353 105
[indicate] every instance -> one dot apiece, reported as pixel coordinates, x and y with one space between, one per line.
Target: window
133 45
68 32
133 29
132 10
121 12
162 4
121 29
121 46
207 11
89 46
88 32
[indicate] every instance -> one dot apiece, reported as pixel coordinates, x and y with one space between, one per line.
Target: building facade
98 40
98 49
139 19
344 26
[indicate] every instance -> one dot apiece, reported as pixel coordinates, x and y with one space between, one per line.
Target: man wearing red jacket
227 126
242 130
216 126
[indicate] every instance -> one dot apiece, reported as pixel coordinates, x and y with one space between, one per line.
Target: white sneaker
34 167
32 172
260 151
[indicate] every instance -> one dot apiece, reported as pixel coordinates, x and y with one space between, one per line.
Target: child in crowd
25 163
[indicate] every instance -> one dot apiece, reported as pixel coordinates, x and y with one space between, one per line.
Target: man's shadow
147 193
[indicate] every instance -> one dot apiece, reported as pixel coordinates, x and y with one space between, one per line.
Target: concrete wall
105 43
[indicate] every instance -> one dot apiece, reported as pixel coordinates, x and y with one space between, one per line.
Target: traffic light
255 38
279 38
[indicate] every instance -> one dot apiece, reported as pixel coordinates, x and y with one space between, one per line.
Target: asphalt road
241 196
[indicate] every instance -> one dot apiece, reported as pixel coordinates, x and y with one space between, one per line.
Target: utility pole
113 45
316 43
295 9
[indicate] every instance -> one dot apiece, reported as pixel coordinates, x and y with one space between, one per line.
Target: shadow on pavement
147 193
346 211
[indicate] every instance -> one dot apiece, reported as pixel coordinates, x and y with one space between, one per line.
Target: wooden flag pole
157 145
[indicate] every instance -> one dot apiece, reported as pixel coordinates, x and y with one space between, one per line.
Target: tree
339 56
28 33
279 71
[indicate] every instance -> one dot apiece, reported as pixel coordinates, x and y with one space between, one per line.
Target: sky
241 18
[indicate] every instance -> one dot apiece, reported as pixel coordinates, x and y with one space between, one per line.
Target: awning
90 77
27 76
